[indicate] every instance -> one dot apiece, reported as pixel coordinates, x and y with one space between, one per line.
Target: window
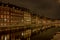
27 18
13 17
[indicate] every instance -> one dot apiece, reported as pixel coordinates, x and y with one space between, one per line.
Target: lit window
7 12
22 20
4 16
1 16
4 12
5 24
7 16
5 19
1 24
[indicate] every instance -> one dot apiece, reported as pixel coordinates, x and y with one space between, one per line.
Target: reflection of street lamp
22 34
5 37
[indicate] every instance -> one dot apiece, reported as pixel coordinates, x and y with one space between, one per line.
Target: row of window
16 17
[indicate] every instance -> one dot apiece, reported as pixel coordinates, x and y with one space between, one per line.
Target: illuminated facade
14 20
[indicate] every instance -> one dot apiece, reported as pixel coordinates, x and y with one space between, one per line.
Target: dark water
46 34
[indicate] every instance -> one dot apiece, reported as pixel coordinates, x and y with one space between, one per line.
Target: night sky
47 8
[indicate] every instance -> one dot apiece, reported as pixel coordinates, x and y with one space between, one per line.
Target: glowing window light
5 19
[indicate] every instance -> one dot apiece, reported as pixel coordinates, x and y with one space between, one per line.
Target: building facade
18 23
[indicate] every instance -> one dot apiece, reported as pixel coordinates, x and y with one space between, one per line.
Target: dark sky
48 8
